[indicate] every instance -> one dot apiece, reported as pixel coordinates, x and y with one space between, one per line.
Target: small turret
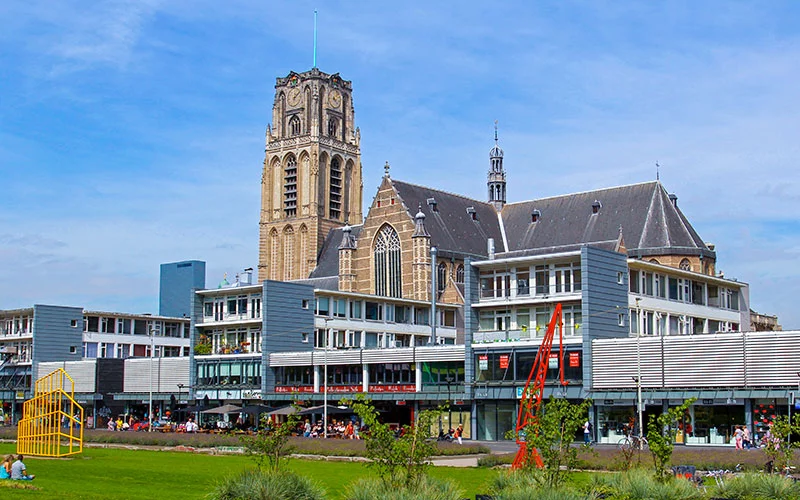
497 176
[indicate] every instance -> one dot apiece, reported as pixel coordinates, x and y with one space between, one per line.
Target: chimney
674 199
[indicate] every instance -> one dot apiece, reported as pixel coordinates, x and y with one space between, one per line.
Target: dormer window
535 215
432 204
472 213
596 207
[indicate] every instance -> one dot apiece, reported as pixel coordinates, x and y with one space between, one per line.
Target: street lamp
150 409
325 383
639 370
180 393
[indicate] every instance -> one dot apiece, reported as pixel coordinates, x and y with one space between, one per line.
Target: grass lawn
101 473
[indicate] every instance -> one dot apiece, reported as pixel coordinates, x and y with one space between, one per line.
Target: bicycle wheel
624 444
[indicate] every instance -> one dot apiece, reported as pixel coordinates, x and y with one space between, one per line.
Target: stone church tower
311 180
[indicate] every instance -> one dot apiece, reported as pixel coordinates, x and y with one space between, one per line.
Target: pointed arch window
303 251
441 276
275 245
290 187
294 126
335 210
288 253
388 267
332 128
686 265
460 274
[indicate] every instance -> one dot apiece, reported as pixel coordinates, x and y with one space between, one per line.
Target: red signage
574 359
504 361
393 388
344 388
294 388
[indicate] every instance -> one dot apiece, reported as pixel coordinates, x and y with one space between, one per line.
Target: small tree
552 435
270 444
777 446
399 461
661 431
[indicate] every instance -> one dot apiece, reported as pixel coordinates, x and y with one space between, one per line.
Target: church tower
497 176
311 178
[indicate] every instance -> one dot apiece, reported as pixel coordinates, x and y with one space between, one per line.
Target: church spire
497 176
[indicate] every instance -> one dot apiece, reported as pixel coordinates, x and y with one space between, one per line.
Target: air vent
432 204
472 213
596 207
535 216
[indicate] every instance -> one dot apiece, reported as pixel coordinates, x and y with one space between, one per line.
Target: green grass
104 473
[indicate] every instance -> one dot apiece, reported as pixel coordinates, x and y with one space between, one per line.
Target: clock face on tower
335 99
294 97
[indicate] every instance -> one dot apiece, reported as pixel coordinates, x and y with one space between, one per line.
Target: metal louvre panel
773 358
83 373
290 359
704 361
443 353
346 357
167 374
614 362
402 355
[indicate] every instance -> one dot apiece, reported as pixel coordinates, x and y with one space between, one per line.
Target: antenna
315 38
495 131
657 176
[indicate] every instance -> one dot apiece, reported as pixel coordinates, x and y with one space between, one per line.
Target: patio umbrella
222 410
256 409
286 410
332 410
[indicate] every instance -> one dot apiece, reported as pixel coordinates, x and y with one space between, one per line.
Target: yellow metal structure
52 421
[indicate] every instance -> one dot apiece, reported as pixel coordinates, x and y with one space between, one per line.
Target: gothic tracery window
441 276
388 268
460 274
288 253
685 265
294 126
290 187
332 127
335 209
274 254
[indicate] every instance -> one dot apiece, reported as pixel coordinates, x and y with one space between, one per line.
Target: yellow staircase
52 421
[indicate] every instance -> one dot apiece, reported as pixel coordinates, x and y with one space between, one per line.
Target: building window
388 267
305 337
73 323
685 265
305 304
332 127
441 276
73 349
274 253
621 319
460 274
620 279
335 209
288 253
290 187
294 126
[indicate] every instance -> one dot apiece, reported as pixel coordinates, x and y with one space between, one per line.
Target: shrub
757 487
493 460
637 484
258 485
425 488
519 485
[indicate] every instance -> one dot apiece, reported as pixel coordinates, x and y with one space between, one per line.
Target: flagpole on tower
315 38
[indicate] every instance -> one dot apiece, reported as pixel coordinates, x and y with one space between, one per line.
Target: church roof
651 223
451 224
648 216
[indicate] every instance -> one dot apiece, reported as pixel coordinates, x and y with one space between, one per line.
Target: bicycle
632 442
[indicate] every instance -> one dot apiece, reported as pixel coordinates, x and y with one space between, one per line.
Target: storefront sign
504 361
345 388
608 402
293 388
574 359
483 362
393 388
400 403
552 363
251 394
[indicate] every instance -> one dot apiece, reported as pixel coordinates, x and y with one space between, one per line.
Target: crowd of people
336 429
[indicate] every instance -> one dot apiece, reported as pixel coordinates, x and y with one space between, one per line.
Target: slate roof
651 223
328 258
450 226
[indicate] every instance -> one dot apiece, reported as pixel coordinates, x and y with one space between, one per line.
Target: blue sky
132 132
